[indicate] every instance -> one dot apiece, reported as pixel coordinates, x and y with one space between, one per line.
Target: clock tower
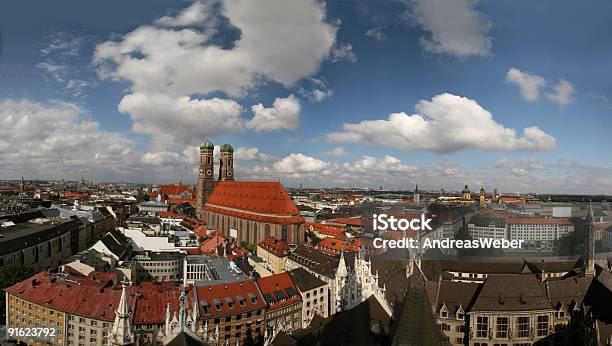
206 180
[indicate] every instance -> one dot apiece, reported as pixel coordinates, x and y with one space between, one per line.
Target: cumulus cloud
336 152
194 14
57 138
180 119
284 114
447 123
299 163
562 94
529 84
455 27
252 154
175 63
280 41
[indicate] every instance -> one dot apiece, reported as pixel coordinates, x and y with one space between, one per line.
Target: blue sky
305 91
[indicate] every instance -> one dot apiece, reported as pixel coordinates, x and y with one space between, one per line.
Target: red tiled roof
276 246
191 201
324 229
176 189
153 298
257 197
97 300
169 215
279 282
213 294
333 246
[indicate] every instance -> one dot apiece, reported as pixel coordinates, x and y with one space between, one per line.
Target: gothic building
206 180
247 211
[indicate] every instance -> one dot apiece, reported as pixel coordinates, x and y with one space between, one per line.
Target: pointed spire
342 271
182 311
122 332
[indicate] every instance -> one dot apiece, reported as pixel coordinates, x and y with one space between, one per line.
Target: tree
8 277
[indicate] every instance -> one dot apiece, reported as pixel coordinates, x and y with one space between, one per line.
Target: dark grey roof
24 235
304 280
486 221
511 293
117 243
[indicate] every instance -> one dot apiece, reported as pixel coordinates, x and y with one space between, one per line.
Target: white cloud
317 91
455 27
252 154
336 152
195 14
376 33
284 114
519 167
447 123
180 119
56 139
299 163
373 165
562 94
529 84
280 41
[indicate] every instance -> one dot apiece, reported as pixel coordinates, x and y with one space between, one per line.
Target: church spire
589 243
342 271
122 332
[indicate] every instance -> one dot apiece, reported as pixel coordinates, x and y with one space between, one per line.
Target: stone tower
206 179
122 332
482 197
589 243
416 196
465 194
226 167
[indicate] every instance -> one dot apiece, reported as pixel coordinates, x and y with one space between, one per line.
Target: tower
482 197
122 332
341 281
589 243
206 180
416 196
226 167
465 194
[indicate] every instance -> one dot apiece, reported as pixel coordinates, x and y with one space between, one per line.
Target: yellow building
274 252
27 314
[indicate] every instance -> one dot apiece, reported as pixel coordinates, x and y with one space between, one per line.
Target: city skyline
503 96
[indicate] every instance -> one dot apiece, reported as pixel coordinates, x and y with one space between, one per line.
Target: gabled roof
257 197
229 299
279 290
511 293
96 297
304 280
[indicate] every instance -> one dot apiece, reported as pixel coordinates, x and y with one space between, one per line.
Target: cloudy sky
514 95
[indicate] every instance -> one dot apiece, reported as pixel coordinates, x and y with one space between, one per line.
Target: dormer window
444 311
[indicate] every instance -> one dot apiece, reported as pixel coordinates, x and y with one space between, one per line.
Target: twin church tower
206 180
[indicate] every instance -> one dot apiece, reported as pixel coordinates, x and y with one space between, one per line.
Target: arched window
255 235
248 232
284 233
267 231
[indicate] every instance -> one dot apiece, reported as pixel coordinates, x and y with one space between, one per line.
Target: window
502 327
522 326
482 325
542 325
